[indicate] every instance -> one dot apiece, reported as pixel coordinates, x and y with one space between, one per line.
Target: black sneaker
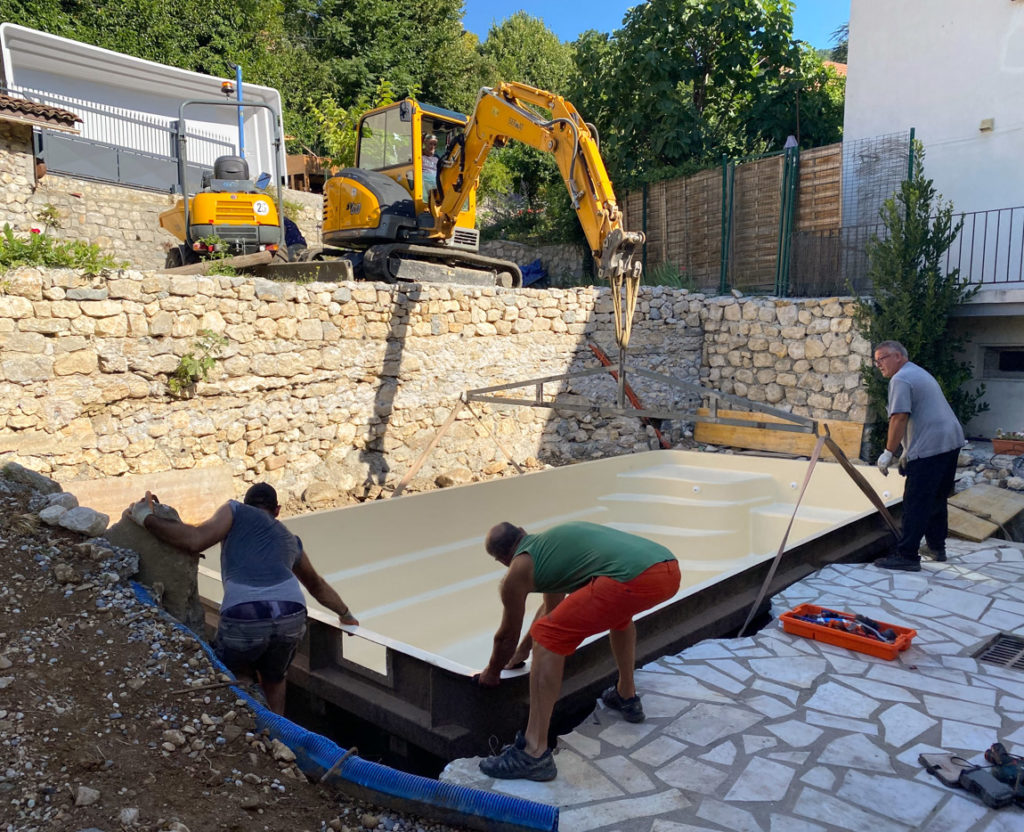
902 562
631 709
513 763
927 551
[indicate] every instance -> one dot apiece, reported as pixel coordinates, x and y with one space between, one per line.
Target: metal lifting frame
485 395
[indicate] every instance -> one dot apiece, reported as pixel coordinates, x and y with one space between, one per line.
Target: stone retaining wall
563 262
340 387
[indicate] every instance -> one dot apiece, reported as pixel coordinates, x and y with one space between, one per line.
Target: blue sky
814 20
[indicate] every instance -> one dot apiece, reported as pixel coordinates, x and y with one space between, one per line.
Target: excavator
392 219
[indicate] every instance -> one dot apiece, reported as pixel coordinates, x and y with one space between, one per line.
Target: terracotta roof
838 67
29 112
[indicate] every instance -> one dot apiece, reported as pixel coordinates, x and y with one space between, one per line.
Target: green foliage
841 39
196 364
684 82
40 249
337 126
217 250
523 49
914 296
669 274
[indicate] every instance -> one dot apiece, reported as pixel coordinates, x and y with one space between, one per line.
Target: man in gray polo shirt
921 419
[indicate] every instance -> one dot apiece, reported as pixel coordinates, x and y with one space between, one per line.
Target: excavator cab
386 197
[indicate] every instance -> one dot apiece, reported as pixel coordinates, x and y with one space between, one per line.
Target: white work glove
140 511
884 461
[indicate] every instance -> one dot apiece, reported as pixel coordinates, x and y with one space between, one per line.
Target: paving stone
713 677
692 776
753 743
795 733
881 690
820 777
761 780
735 669
840 699
623 734
706 723
916 681
724 753
788 694
964 736
855 751
659 751
669 802
958 813
902 724
730 817
801 672
770 706
940 706
828 809
795 757
625 774
907 802
785 823
840 722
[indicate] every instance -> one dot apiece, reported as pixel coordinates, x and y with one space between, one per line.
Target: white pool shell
414 570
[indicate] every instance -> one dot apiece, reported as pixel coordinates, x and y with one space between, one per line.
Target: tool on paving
1007 768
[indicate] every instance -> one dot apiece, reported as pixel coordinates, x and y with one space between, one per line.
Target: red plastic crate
851 641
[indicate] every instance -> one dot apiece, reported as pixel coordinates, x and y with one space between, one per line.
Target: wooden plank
239 262
998 505
847 435
966 525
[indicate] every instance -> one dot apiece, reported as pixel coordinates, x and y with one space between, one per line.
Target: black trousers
929 483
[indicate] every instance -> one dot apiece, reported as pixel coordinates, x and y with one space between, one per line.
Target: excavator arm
508 112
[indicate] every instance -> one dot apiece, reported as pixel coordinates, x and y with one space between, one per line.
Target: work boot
905 563
513 763
927 551
631 709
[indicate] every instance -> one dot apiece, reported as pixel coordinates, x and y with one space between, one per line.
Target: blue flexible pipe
316 756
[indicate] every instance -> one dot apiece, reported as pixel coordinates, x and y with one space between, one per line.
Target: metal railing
988 250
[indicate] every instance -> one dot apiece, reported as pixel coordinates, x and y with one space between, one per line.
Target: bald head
501 541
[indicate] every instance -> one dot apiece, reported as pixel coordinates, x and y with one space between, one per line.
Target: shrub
195 365
41 250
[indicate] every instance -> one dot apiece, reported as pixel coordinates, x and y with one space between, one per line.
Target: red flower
36 231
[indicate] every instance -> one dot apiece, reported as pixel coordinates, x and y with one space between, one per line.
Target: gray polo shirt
932 427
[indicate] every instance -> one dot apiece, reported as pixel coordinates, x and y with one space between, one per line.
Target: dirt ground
112 718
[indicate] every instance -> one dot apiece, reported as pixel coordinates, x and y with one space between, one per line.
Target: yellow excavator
392 218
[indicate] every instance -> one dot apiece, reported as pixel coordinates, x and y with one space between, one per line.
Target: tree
841 39
914 297
684 82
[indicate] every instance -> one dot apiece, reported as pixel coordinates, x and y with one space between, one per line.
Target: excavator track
424 264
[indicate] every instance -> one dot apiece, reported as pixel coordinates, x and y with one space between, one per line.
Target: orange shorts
604 604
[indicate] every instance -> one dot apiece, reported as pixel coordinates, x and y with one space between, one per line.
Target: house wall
1003 393
941 66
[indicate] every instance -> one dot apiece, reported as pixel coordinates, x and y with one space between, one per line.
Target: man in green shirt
593 578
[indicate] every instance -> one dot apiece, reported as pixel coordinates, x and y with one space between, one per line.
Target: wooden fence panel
819 202
756 208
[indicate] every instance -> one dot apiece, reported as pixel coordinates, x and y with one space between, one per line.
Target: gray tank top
257 558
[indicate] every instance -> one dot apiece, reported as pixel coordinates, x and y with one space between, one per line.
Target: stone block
171 573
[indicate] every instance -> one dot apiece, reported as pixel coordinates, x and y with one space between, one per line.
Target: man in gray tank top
263 613
922 421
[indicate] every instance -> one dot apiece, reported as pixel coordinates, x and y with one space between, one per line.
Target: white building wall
75 72
941 67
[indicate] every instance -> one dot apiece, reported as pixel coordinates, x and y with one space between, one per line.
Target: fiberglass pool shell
416 575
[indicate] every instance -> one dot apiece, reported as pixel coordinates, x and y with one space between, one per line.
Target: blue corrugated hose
315 755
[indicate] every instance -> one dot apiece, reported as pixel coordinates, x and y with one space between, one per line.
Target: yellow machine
394 221
229 208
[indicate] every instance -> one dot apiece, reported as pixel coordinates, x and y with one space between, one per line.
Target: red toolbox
792 623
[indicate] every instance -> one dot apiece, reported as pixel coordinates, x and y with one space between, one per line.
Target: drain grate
1003 650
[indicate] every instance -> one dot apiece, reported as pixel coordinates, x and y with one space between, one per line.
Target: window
385 141
1004 362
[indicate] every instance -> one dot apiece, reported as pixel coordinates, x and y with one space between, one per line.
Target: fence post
910 157
723 277
644 228
790 185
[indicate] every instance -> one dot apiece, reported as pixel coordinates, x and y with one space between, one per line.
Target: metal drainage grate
1003 650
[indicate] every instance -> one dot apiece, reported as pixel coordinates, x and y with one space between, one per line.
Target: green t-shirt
566 556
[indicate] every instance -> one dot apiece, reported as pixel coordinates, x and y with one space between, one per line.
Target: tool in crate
850 622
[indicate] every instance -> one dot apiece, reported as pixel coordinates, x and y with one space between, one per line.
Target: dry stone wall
327 388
